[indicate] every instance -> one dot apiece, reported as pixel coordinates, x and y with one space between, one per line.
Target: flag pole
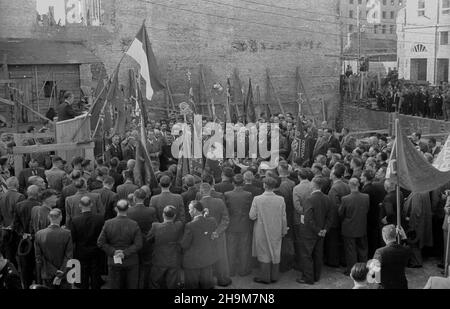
398 178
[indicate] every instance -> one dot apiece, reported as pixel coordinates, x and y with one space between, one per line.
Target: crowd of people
332 206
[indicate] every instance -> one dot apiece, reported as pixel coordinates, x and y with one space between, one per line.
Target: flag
117 101
143 170
141 51
140 106
373 12
442 162
411 169
99 97
227 103
249 107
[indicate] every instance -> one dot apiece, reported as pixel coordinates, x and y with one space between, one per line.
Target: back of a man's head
169 213
55 216
189 180
33 191
317 182
12 183
359 272
128 175
139 195
238 180
80 184
248 177
353 184
270 183
108 181
208 179
85 202
122 206
205 188
389 233
165 182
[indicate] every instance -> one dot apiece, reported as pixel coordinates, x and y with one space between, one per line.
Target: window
57 12
446 7
350 28
384 14
49 89
392 14
391 29
444 38
375 29
383 29
350 14
421 8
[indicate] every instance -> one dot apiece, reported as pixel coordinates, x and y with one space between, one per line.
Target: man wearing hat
166 198
53 249
227 181
85 231
121 239
56 176
22 226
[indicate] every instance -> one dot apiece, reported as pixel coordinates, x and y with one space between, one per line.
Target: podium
65 131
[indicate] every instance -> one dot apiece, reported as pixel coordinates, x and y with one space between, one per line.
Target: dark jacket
218 211
118 178
285 190
253 189
124 190
73 205
393 259
239 203
317 215
10 278
85 231
224 186
389 208
376 194
165 199
115 151
188 197
199 250
338 190
144 216
108 199
27 173
353 212
121 233
22 216
65 111
8 204
53 249
166 248
65 193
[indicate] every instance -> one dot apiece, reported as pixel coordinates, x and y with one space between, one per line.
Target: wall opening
419 69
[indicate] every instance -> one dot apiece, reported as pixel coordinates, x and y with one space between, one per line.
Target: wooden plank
20 137
6 101
51 147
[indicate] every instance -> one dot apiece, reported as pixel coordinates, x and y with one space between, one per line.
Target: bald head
248 177
33 191
55 216
85 203
354 184
12 183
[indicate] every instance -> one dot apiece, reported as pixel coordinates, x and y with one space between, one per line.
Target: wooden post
300 88
258 100
205 89
238 96
274 92
323 109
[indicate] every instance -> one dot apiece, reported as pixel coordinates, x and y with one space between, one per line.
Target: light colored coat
269 211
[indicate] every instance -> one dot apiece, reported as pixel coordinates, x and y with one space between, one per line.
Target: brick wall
182 40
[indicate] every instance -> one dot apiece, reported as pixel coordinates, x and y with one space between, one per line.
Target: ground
333 278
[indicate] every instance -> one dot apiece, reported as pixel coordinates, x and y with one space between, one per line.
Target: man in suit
22 226
39 213
144 216
129 148
67 191
114 150
249 186
238 203
86 229
189 195
167 198
315 224
73 202
332 141
216 208
107 197
53 249
333 242
128 187
25 174
227 181
97 182
376 194
9 276
8 204
433 148
113 172
56 176
200 249
121 239
300 194
388 212
65 110
210 180
166 255
393 260
353 213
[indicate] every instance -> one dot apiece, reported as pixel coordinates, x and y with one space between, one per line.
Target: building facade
423 46
220 35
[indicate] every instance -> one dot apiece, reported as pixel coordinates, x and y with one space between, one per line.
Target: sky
60 8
